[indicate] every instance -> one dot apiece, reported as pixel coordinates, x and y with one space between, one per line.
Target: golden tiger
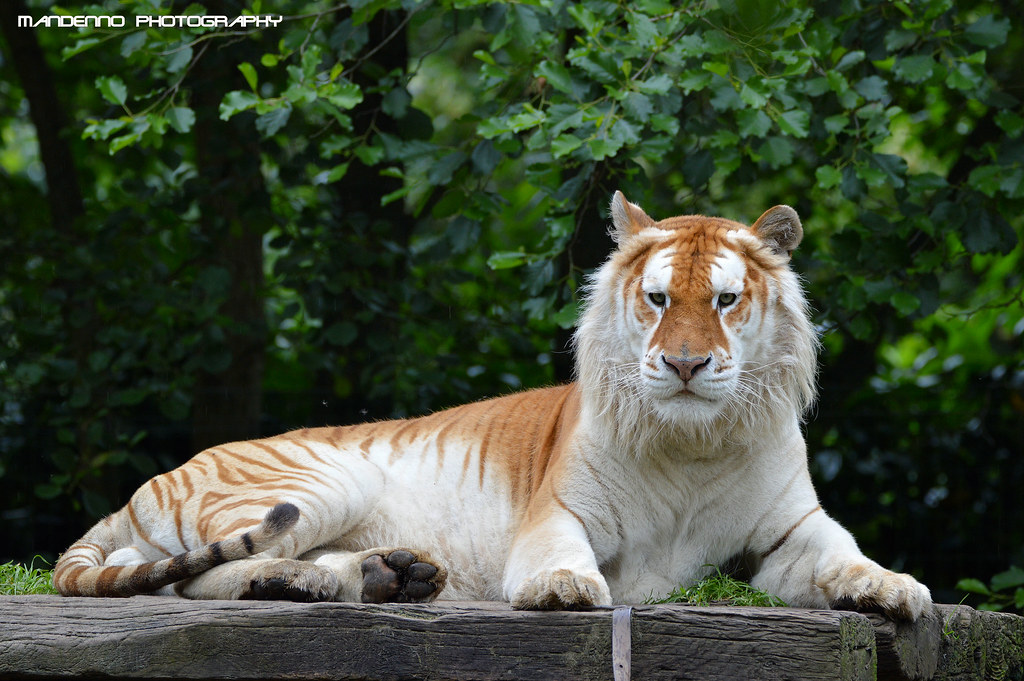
677 447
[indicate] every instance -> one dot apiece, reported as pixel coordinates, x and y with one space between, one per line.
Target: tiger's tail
80 571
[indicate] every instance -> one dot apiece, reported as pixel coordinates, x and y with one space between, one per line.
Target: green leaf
974 586
395 195
179 59
837 123
557 76
850 59
898 38
894 167
132 43
905 302
181 118
585 18
337 172
718 68
269 123
753 123
777 152
795 122
566 317
139 127
642 30
345 95
113 89
485 57
128 397
504 260
1009 579
692 81
485 157
987 233
828 176
698 168
48 490
639 106
370 155
872 88
988 31
986 179
235 102
396 102
752 97
658 85
965 77
250 74
1011 123
79 47
916 69
921 182
442 169
341 333
602 148
105 128
1012 183
565 144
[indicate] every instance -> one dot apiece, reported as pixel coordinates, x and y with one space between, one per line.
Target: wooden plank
979 645
149 637
907 651
752 643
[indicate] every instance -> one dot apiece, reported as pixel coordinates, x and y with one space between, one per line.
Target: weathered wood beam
168 638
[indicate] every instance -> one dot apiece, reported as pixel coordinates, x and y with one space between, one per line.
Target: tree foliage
381 208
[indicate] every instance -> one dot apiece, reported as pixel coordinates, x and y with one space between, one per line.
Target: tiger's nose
686 367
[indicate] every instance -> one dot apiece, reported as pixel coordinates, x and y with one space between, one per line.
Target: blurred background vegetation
382 208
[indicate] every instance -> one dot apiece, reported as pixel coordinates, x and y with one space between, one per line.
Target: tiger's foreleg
817 563
552 566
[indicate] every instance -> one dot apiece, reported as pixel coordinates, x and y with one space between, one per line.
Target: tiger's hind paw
290 580
401 576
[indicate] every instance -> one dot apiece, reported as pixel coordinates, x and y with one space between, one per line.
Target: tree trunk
227 403
64 194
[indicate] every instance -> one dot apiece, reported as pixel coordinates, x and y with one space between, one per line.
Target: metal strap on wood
622 621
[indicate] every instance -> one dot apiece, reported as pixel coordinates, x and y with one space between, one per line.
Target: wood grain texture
149 637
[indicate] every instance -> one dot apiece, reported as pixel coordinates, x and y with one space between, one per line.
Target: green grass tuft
18 580
719 589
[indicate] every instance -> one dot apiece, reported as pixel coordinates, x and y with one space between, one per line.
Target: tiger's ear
627 218
780 229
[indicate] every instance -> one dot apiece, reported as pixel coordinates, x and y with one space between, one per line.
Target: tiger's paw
561 589
290 580
870 588
401 576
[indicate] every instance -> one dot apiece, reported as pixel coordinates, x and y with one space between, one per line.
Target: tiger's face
701 306
698 303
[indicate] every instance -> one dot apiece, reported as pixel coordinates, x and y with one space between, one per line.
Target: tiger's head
697 322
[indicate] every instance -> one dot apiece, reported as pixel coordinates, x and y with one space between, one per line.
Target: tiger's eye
726 299
657 298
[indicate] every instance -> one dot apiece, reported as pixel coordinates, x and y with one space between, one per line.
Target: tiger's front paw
561 589
872 588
